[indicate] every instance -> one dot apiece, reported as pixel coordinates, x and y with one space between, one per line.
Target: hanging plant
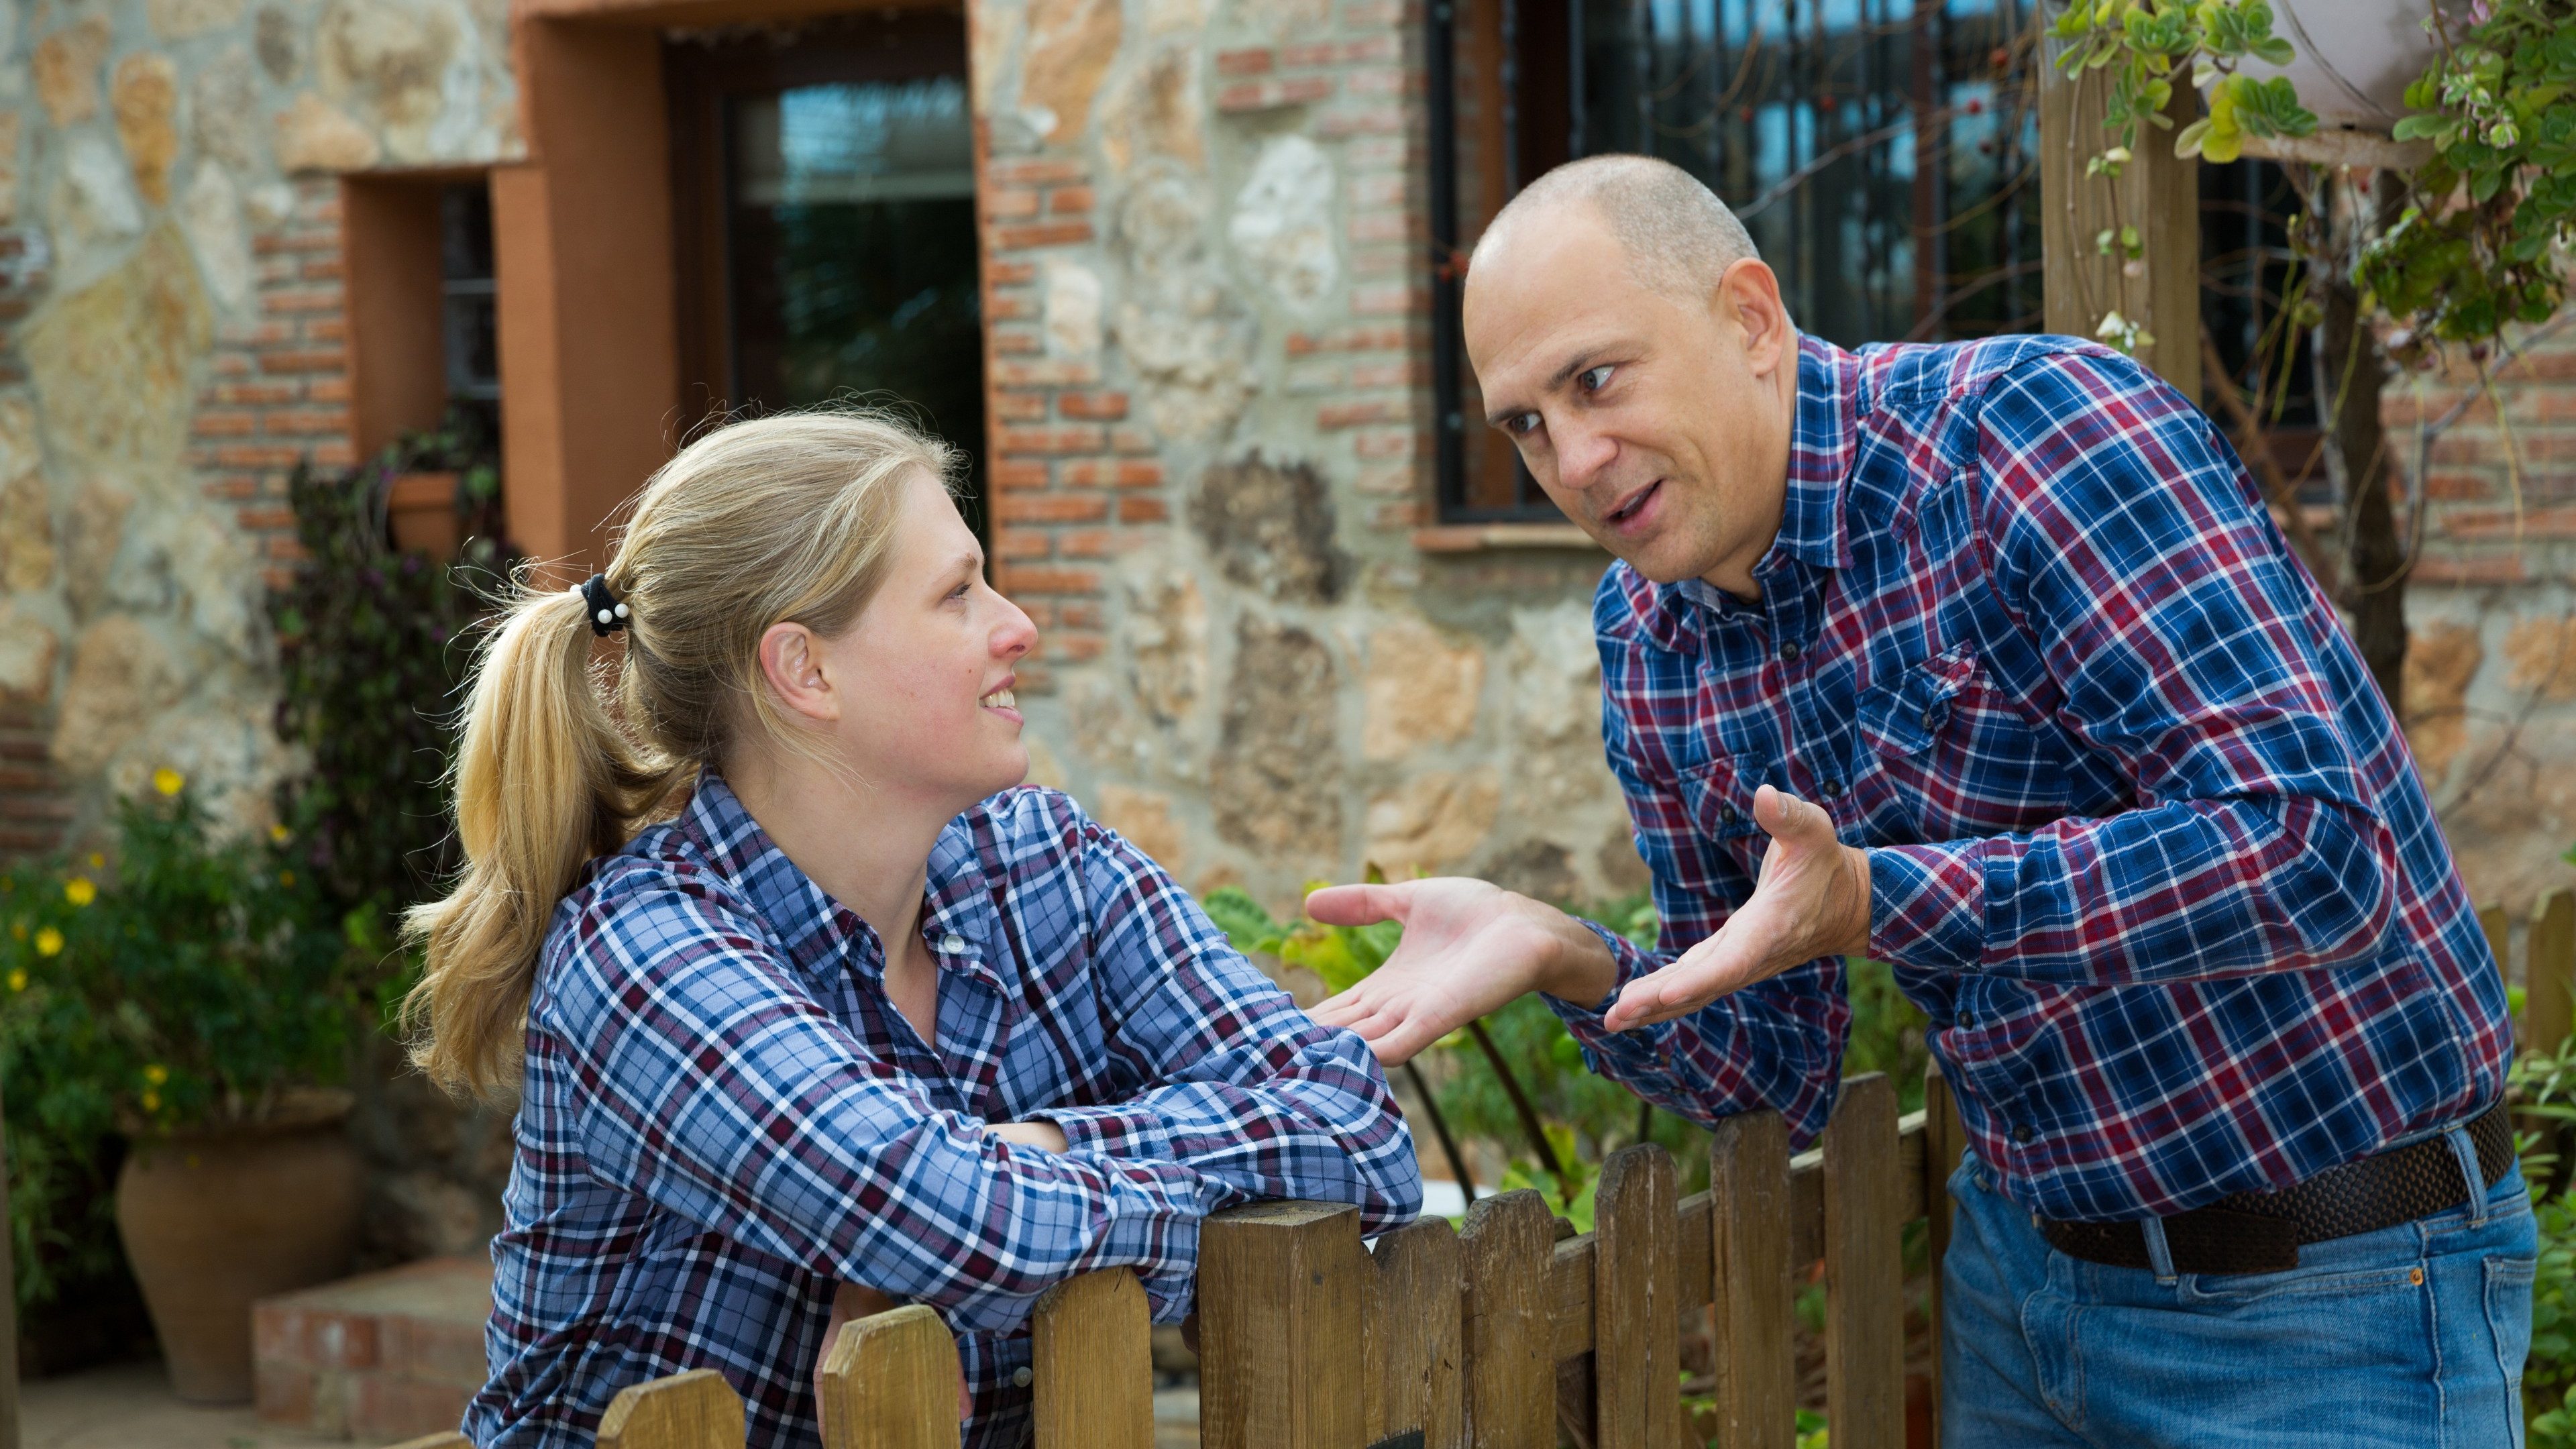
2481 246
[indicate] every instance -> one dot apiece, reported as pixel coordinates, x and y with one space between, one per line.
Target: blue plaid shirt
723 1114
2147 845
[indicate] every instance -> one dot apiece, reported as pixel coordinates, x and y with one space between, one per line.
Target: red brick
250 394
2506 524
1019 472
2488 568
1070 438
257 455
328 389
1041 613
1364 120
1380 226
1364 15
232 364
334 455
306 420
1069 200
1011 307
286 1394
1083 543
223 423
1143 510
430 1351
1043 234
321 269
1051 508
1094 406
1256 61
1131 440
1387 374
1053 372
285 550
1398 515
1021 579
1020 407
1011 274
1377 81
1113 473
1079 615
1066 645
333 328
1352 414
1022 544
1011 203
230 490
1266 95
303 360
1387 299
1032 171
1011 340
2458 486
258 519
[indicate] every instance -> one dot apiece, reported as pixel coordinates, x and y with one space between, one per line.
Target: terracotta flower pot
213 1220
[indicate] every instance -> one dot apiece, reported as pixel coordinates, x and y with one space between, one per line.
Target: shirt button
951 944
1831 789
1020 1377
2022 1135
1789 652
1967 1021
1726 815
1932 718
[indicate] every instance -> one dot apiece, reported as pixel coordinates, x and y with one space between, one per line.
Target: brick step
389 1355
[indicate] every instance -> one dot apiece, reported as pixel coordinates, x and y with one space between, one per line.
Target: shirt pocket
1958 755
1719 797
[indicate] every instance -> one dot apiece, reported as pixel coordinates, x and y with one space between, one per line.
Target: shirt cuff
1121 1130
1605 1050
1928 904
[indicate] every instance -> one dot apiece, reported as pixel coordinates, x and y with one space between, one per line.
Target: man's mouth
1632 506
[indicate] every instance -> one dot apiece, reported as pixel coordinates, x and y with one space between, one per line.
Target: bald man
1985 660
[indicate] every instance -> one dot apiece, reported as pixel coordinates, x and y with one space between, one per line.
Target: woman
858 1015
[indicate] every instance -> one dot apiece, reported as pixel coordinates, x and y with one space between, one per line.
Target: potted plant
185 995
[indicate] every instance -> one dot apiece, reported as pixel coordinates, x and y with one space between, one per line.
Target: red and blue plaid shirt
723 1114
2146 843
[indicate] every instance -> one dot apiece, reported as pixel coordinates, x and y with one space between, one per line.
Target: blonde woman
857 1017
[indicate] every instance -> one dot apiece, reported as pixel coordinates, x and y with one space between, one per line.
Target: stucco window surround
587 278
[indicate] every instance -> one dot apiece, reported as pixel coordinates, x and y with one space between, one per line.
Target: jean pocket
2509 1312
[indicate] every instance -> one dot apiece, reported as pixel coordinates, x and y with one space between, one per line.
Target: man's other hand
1812 900
1469 949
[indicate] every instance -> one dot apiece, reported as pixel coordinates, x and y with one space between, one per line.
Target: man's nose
1581 456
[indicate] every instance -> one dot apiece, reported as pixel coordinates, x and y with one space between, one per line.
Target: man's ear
1748 295
792 662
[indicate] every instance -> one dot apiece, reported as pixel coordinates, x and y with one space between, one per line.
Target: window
1807 116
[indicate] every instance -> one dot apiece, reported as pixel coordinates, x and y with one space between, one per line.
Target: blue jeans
2412 1337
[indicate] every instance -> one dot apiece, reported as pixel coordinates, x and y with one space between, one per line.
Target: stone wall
1210 358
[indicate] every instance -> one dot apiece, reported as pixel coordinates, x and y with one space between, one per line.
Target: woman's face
921 683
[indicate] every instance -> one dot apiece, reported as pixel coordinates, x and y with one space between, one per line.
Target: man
1986 660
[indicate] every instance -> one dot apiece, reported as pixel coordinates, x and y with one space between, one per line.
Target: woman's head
801 597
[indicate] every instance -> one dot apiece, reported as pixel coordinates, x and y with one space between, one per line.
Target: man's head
1635 349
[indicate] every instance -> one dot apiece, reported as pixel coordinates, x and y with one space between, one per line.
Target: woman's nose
1017 635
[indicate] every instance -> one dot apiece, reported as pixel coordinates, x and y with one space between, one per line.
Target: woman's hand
1045 1136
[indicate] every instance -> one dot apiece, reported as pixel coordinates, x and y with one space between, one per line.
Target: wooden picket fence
1470 1338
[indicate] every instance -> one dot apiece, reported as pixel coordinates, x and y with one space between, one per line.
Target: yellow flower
18 979
49 942
80 890
151 1101
168 781
286 878
156 1074
280 834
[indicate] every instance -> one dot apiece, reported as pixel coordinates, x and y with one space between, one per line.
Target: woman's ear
792 661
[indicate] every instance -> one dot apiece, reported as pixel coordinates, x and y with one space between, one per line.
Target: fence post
1285 1291
1413 1352
694 1410
890 1382
2549 972
1509 1368
1945 1143
1636 1324
1748 1179
1864 1271
1092 1364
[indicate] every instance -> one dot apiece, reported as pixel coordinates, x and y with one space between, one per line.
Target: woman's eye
959 592
1593 379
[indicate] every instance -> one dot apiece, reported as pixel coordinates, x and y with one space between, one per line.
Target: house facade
1180 273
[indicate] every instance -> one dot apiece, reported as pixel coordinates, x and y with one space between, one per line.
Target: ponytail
782 519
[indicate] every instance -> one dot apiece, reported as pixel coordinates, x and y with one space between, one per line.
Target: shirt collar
1823 440
816 930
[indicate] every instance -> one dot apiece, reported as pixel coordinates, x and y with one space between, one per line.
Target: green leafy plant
2543 1086
2478 247
183 980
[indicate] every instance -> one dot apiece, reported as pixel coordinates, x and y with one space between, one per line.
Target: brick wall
277 387
1076 480
2484 526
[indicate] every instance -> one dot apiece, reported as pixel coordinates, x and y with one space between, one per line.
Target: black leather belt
2260 1232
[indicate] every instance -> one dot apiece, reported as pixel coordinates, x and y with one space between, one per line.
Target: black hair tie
607 615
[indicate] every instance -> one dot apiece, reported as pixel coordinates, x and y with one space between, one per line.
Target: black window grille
1807 116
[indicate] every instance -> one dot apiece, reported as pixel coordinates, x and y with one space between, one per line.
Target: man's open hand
1812 900
1469 948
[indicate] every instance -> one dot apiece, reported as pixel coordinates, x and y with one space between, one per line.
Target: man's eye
1521 425
1593 379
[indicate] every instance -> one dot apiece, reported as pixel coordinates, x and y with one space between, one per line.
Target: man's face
1660 424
